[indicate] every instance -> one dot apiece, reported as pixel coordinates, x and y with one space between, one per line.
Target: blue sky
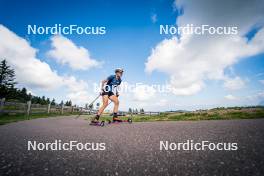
131 38
127 31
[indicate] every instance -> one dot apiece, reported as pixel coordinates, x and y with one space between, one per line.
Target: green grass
223 114
213 114
5 118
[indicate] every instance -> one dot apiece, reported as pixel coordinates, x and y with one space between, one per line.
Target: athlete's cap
119 70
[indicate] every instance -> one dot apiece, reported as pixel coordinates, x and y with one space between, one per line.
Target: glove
102 91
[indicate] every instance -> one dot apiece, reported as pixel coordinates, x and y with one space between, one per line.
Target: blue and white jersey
112 82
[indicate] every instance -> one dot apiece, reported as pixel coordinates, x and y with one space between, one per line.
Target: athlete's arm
117 93
103 83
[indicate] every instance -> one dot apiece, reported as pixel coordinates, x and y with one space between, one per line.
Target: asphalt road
132 149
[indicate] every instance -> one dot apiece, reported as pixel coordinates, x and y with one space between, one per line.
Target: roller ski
101 124
96 122
117 120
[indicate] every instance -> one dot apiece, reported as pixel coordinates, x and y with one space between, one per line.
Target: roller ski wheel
117 120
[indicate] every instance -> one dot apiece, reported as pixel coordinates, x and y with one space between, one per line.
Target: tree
141 111
53 102
7 79
48 101
7 75
8 90
61 103
24 96
130 111
68 103
43 100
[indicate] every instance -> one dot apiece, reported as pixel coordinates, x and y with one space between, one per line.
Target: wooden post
62 106
72 109
28 107
2 105
48 108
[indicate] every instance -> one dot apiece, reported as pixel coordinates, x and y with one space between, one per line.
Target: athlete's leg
101 110
116 105
105 103
115 100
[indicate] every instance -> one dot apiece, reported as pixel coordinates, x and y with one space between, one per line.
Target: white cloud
194 59
154 18
256 98
260 95
22 57
33 73
230 97
144 93
241 13
64 51
78 90
162 102
234 84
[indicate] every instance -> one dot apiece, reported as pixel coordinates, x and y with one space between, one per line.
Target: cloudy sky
204 71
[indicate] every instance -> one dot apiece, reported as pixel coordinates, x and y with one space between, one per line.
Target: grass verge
6 118
214 114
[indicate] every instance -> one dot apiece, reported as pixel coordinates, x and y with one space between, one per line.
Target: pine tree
23 95
53 102
43 100
130 111
7 79
8 90
7 75
68 103
48 101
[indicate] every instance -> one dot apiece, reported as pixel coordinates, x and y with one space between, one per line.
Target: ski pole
94 100
89 104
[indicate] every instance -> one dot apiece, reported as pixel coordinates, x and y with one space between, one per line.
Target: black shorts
109 93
